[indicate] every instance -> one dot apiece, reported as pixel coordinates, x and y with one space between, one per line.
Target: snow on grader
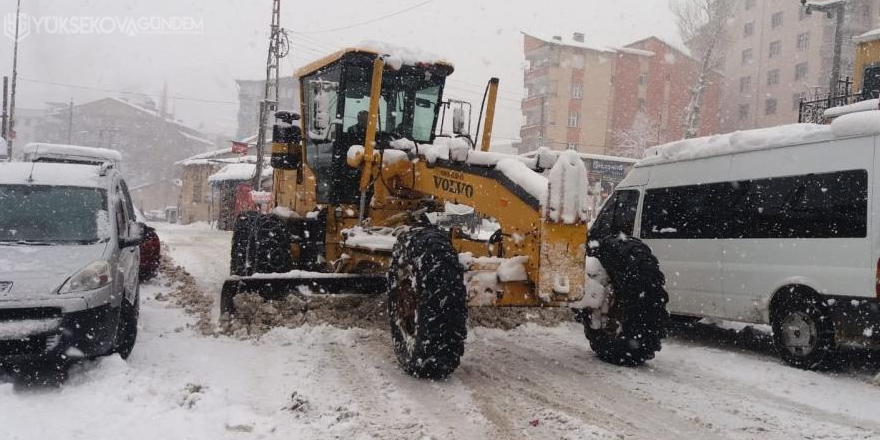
369 199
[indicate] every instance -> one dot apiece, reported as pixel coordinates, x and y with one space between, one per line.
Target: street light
836 9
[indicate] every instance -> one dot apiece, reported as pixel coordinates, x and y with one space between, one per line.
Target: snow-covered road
324 383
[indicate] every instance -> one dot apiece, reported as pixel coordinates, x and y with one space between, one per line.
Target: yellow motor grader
369 198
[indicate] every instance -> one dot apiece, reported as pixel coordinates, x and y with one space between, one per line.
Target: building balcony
535 73
534 101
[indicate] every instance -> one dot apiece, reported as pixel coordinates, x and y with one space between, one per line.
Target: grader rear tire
241 232
638 317
427 304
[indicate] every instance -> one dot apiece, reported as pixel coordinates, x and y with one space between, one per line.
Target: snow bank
739 141
862 106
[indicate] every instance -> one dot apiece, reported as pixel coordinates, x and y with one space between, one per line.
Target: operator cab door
321 129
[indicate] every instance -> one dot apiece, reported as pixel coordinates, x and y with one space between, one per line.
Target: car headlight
91 277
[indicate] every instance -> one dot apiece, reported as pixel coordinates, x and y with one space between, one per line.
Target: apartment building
776 54
583 98
567 95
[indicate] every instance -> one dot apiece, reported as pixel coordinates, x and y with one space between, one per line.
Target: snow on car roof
37 150
56 174
850 125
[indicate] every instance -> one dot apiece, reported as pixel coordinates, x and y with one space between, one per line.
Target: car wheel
803 332
126 335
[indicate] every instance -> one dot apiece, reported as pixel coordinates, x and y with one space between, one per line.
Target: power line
354 25
123 92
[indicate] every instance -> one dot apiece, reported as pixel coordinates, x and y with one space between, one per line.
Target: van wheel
803 332
241 232
126 335
637 317
427 304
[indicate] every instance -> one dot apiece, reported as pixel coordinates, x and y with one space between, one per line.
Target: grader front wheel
637 318
427 304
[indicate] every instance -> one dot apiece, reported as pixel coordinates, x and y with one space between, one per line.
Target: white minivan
774 226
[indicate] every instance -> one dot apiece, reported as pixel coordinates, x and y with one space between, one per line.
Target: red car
151 251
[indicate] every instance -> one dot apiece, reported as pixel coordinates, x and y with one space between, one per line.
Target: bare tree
702 25
633 141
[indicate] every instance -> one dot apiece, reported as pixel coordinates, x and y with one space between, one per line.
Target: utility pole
278 49
837 10
4 116
11 128
70 122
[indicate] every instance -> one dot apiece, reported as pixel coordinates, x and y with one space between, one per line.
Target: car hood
36 271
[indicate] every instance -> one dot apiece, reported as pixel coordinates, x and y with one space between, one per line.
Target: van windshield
35 214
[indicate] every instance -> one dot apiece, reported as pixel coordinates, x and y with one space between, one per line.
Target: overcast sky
482 38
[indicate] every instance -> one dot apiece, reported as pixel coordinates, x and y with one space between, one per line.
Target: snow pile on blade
566 197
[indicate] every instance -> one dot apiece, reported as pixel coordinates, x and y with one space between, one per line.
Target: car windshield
52 214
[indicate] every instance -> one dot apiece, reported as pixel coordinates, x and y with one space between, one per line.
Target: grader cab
370 199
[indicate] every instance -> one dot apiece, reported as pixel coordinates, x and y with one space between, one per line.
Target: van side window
618 215
828 205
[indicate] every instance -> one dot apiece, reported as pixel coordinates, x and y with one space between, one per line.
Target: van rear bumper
856 320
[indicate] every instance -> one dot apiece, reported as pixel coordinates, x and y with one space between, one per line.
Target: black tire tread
640 299
441 327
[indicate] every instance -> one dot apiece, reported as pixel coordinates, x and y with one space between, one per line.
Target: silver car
68 264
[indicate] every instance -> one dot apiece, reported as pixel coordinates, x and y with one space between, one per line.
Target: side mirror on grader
361 217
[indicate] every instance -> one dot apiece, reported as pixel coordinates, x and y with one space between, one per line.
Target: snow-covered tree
633 141
702 25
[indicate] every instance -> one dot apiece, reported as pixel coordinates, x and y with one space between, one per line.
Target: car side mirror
135 236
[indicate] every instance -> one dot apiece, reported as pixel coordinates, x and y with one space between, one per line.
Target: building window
643 79
577 91
577 61
642 105
776 20
571 146
773 77
775 49
803 41
800 71
743 112
749 29
746 57
750 4
770 107
745 84
573 119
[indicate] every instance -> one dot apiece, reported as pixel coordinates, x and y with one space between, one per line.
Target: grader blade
280 288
